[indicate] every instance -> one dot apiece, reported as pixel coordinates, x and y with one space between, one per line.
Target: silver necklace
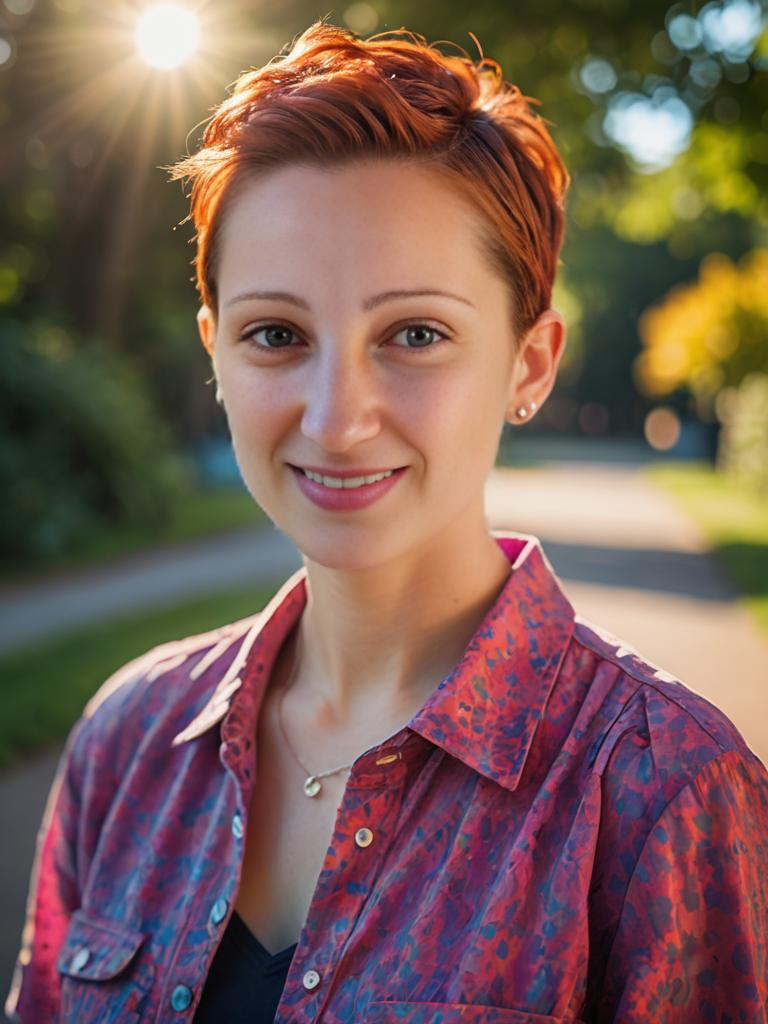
312 783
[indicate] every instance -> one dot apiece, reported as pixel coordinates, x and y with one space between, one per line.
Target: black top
245 982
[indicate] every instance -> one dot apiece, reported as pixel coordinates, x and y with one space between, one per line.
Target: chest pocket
454 1013
101 976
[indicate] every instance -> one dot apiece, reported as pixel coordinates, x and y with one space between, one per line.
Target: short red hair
334 97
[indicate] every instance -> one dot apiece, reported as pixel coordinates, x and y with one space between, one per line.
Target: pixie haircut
334 98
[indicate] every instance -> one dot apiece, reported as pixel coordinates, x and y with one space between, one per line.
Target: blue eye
273 329
417 335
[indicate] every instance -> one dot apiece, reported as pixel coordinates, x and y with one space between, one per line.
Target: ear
536 362
206 326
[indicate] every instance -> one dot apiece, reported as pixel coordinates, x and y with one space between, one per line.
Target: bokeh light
6 53
598 75
685 32
662 428
19 7
652 130
593 418
731 28
167 36
361 18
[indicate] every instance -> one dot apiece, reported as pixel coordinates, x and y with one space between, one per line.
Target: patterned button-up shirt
562 833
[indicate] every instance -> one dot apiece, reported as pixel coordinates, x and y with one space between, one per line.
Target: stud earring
525 410
219 397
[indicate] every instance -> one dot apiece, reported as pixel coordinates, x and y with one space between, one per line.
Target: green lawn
195 514
45 688
733 518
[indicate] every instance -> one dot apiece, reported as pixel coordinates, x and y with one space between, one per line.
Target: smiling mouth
351 479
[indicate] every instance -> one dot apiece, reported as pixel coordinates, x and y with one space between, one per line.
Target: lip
345 499
345 474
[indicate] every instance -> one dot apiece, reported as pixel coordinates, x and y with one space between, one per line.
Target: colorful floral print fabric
562 833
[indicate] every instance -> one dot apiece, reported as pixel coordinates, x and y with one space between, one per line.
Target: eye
276 336
420 337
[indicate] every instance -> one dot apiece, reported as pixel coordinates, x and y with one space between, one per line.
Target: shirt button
311 979
80 959
219 911
237 825
181 997
389 758
363 837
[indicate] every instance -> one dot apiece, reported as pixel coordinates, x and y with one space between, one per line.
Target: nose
342 401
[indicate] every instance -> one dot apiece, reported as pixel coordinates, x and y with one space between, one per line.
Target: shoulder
665 771
678 896
655 735
156 693
683 726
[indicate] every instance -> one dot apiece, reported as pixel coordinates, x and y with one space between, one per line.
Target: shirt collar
487 710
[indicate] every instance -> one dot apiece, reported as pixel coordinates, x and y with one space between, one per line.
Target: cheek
253 404
466 405
469 420
450 414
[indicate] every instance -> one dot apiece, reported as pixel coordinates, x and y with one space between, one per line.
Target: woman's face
360 328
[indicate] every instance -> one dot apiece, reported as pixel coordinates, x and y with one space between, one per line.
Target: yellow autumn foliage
709 334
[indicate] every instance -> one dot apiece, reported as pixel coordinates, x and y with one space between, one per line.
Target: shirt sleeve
54 891
692 939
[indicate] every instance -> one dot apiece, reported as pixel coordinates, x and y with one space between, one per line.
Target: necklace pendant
312 786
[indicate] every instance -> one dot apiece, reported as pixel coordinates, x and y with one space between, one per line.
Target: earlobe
206 328
521 413
536 366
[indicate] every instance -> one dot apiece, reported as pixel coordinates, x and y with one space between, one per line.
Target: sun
167 36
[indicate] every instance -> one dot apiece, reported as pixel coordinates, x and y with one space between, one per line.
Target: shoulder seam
641 680
166 656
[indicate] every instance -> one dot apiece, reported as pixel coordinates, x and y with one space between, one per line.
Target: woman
416 787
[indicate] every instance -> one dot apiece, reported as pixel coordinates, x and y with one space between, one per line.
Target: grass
733 518
194 515
45 688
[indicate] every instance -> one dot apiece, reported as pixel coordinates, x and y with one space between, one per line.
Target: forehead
373 216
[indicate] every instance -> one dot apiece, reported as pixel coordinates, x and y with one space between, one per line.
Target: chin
347 548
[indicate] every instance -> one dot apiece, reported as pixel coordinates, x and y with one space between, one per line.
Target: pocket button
219 911
363 837
80 959
181 997
311 979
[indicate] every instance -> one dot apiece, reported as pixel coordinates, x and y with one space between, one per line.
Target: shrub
743 448
80 446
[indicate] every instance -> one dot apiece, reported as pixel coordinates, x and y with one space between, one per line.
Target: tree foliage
87 217
80 445
710 334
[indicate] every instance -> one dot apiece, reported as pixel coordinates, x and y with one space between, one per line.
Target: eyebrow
369 304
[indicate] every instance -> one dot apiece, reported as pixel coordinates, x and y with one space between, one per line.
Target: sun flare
167 36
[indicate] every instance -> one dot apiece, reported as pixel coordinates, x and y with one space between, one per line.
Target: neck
375 642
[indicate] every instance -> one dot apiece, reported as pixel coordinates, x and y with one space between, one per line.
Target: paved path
627 558
29 612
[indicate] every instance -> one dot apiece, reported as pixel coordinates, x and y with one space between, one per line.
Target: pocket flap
97 949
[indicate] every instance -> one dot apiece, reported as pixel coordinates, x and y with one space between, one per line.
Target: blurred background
123 521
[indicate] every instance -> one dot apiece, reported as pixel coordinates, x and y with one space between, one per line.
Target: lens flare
167 36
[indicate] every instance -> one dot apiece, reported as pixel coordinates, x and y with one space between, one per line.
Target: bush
80 446
743 449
